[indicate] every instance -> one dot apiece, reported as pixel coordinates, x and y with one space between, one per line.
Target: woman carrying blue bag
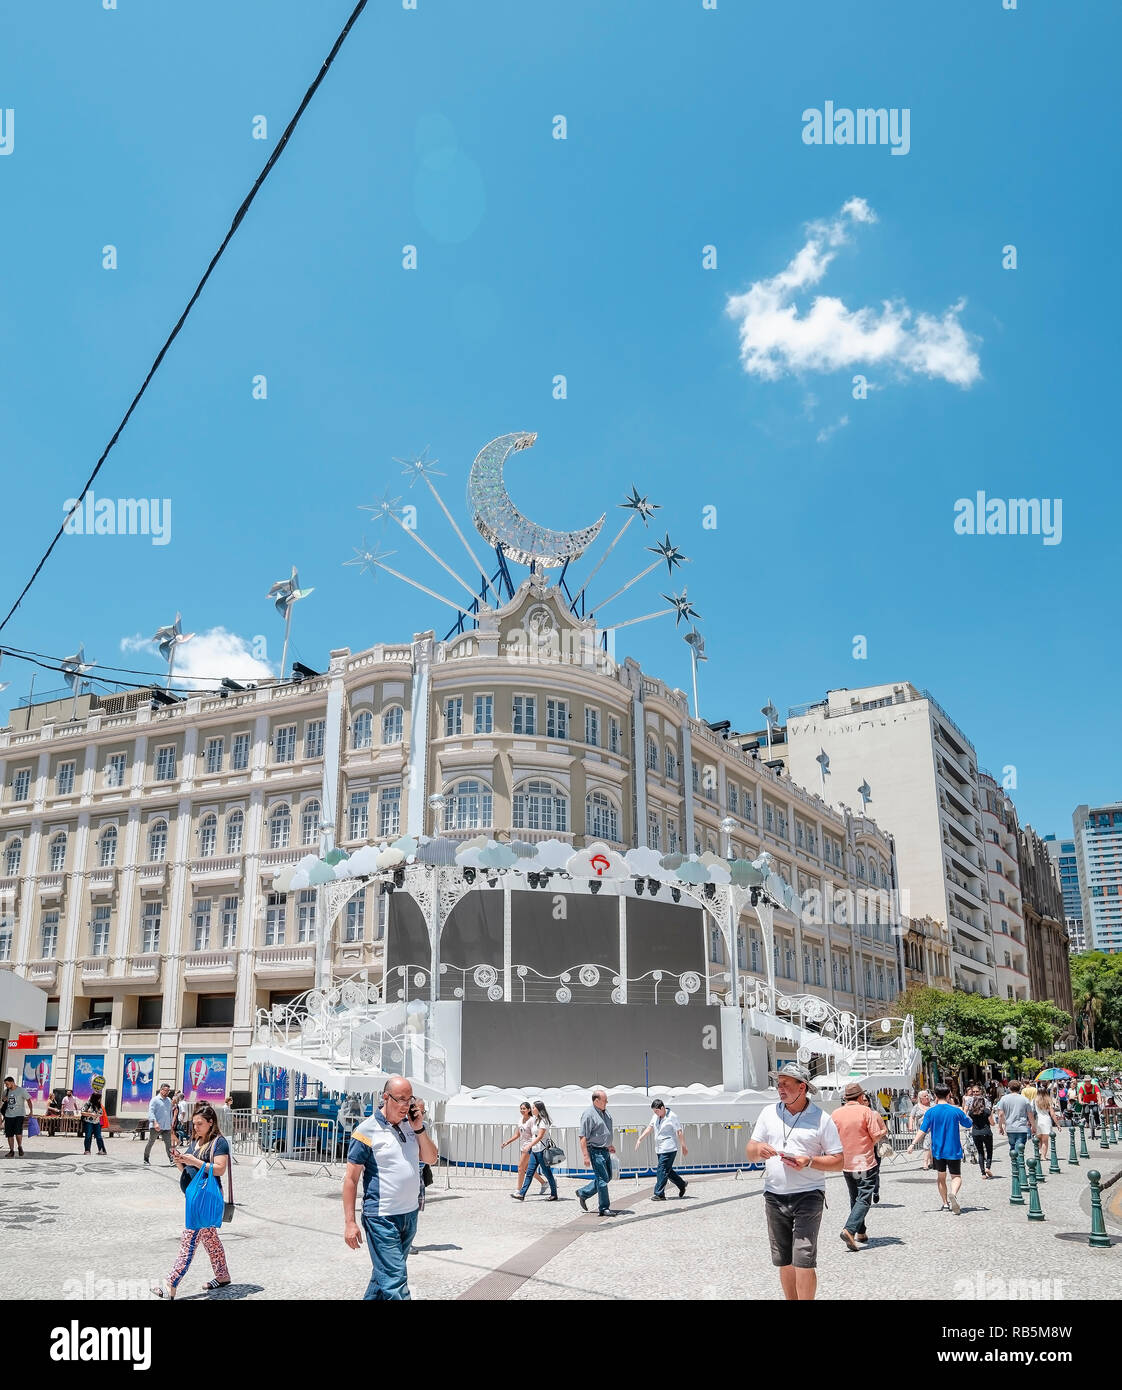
202 1166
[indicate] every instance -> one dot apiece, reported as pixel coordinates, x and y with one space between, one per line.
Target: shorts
13 1129
949 1165
793 1220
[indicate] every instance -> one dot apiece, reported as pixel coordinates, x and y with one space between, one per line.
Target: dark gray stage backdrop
538 1038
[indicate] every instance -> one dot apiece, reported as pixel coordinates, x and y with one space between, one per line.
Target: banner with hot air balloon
204 1077
86 1067
136 1083
37 1075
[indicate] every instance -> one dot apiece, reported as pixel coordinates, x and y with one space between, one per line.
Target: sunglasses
399 1100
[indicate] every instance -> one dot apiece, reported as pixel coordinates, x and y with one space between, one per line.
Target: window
235 831
592 726
715 944
524 715
393 725
615 734
150 928
306 915
229 923
741 956
652 755
284 744
782 830
274 919
239 753
200 920
672 836
734 799
99 930
12 857
601 817
165 763
157 842
309 823
540 806
557 719
694 776
754 950
358 815
671 764
806 966
58 853
313 738
208 836
214 1011
280 827
468 806
362 730
213 754
484 714
453 716
21 789
64 779
389 812
107 847
150 1011
356 919
749 807
861 867
6 937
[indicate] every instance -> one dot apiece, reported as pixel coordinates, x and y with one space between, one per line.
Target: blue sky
582 257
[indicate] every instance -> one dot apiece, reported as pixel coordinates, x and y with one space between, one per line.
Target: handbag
32 1127
205 1206
228 1205
553 1154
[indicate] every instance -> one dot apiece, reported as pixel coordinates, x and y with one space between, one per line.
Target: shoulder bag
228 1205
204 1200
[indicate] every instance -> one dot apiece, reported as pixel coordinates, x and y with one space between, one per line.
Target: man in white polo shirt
387 1151
800 1144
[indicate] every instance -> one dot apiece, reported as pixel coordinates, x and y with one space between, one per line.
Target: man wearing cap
668 1135
799 1144
859 1128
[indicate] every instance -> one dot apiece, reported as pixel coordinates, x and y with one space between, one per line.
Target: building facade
138 842
1045 927
1062 854
927 953
1098 858
1007 922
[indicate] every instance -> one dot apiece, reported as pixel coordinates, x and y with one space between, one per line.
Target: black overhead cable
241 212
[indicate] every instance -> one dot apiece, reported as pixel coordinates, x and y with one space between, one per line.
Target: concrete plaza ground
78 1227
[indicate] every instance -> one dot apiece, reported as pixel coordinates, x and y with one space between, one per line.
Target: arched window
652 754
309 823
362 730
235 832
157 842
392 724
861 866
601 817
58 853
653 830
671 763
468 806
107 847
12 857
540 806
280 827
208 836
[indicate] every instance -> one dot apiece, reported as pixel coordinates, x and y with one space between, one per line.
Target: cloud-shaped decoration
718 868
551 854
644 862
408 846
523 850
476 842
438 851
389 858
709 859
693 871
470 858
744 874
282 881
497 856
672 861
765 863
598 861
363 861
335 856
344 870
320 873
297 880
775 886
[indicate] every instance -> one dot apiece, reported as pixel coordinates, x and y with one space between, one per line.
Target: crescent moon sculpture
500 522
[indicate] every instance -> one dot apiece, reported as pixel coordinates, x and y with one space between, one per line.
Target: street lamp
933 1041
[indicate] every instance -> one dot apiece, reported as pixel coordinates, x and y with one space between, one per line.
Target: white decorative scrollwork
589 975
617 996
314 1001
785 1003
458 992
419 978
803 1054
564 995
656 975
485 976
690 982
617 980
565 978
681 997
521 972
353 995
495 993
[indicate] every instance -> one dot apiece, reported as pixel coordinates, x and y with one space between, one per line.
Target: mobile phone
412 1110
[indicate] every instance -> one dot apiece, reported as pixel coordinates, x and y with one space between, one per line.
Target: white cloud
827 430
209 656
775 338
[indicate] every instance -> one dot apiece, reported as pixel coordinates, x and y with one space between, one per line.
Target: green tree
1096 987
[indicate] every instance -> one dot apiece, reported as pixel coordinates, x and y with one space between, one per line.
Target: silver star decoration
420 467
369 560
669 552
682 607
386 509
640 504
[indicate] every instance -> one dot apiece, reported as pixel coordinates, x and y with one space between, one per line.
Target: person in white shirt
800 1144
668 1135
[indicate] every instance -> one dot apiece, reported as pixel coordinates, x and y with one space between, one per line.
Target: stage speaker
109 1096
242 1100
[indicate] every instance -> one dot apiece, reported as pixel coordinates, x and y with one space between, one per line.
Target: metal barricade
267 1138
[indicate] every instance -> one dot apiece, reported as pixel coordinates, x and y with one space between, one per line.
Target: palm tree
1090 996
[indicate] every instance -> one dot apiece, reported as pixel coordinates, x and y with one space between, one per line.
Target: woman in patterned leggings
208 1146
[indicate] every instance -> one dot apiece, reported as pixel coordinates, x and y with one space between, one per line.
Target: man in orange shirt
859 1129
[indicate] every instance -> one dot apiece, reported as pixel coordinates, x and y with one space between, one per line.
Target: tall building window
239 753
355 927
754 951
150 928
652 830
274 919
484 714
733 799
468 806
64 779
672 836
309 823
393 725
48 935
557 719
524 715
213 755
540 806
107 847
389 812
313 738
592 726
235 832
280 827
671 764
362 730
208 836
615 734
652 755
358 815
601 817
21 787
157 842
306 915
99 930
7 935
694 776
453 716
12 857
58 854
284 744
165 763
201 922
229 922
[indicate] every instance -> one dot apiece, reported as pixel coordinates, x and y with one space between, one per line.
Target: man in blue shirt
159 1121
944 1122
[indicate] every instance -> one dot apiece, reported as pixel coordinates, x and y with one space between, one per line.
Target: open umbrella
1055 1074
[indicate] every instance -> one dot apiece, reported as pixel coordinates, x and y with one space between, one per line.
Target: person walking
160 1121
1046 1122
523 1136
1015 1118
669 1135
17 1107
208 1145
981 1131
182 1116
915 1120
1090 1100
859 1128
596 1149
387 1151
874 1171
943 1122
799 1144
90 1117
538 1161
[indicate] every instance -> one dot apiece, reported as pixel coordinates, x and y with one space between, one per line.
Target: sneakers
147 1163
849 1239
682 1190
944 1207
517 1197
955 1206
658 1197
583 1202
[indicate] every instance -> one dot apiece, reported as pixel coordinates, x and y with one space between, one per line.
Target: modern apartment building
1042 903
1062 854
1007 923
1098 857
896 750
138 843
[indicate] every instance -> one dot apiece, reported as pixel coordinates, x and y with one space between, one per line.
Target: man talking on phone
800 1145
387 1151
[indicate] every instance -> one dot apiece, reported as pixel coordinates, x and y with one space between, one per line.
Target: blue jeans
861 1188
91 1130
538 1161
389 1239
1017 1140
666 1172
601 1161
